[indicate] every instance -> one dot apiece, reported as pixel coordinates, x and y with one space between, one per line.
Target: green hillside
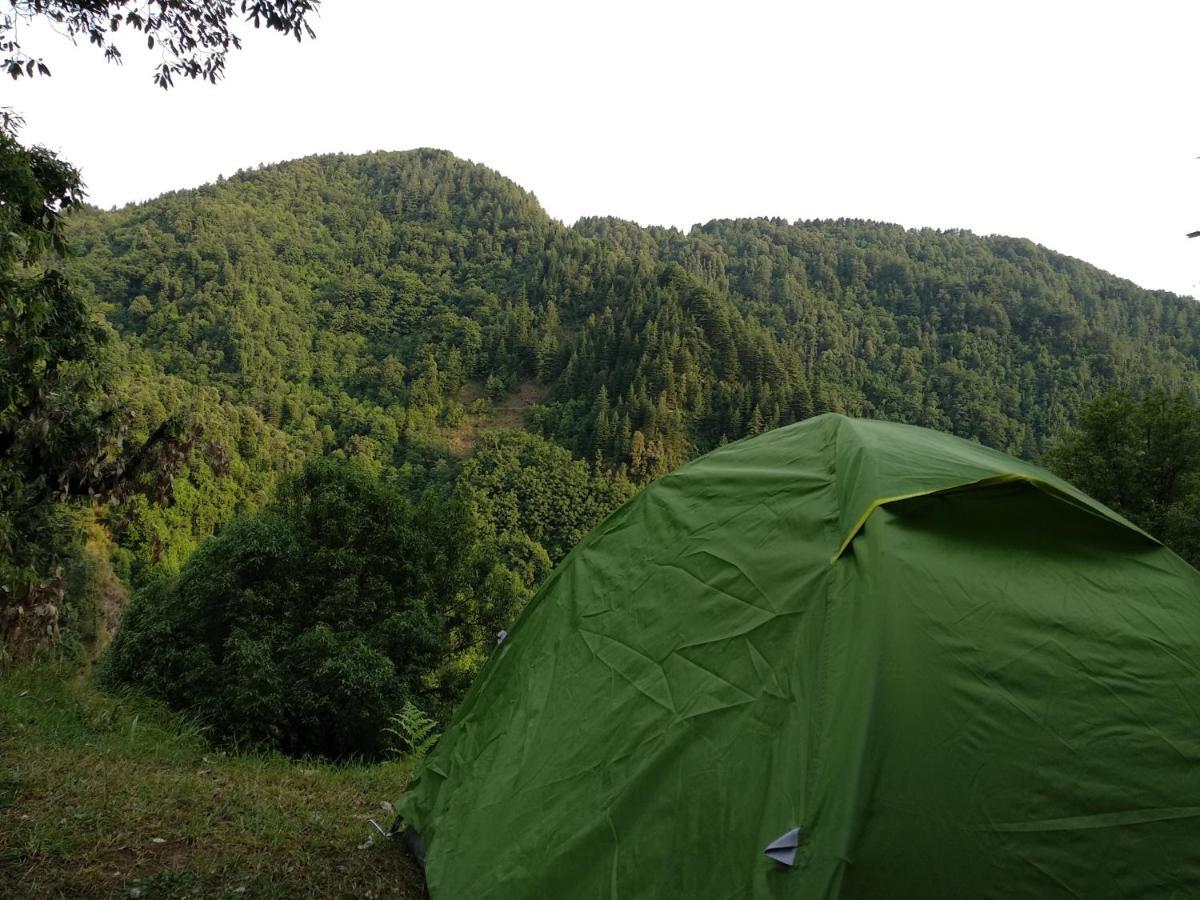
384 305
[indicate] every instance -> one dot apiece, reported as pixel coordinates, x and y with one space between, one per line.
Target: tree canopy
194 36
1142 458
68 417
306 626
377 306
56 429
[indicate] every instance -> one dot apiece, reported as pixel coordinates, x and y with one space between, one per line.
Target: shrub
306 627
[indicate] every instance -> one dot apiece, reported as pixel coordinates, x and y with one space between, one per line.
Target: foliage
45 327
194 36
350 299
70 433
412 730
305 627
991 338
65 416
55 419
1142 458
520 483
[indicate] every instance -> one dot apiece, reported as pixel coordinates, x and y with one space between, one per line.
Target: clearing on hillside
508 413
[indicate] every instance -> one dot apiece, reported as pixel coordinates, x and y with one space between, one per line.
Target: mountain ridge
243 173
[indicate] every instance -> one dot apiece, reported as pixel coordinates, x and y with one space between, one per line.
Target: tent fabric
953 674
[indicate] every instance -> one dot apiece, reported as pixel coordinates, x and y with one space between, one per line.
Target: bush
495 388
522 484
306 627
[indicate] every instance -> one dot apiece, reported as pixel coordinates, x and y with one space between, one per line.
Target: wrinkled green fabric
956 674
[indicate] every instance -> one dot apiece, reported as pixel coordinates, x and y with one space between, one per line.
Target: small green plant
453 413
495 388
412 731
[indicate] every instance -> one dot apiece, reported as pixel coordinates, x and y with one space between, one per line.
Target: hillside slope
377 304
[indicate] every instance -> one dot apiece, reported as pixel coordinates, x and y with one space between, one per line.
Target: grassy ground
104 796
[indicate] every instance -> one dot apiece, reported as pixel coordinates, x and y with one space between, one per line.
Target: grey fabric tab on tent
783 848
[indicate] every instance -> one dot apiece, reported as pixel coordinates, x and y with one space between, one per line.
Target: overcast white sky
1073 124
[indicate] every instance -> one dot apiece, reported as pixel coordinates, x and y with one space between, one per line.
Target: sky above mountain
1070 123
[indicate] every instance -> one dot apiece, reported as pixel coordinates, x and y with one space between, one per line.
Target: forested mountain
992 338
374 304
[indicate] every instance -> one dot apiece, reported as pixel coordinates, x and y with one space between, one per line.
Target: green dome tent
842 659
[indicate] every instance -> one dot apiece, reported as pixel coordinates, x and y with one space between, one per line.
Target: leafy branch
195 36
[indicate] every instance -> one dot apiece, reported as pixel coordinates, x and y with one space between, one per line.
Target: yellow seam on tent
989 480
862 520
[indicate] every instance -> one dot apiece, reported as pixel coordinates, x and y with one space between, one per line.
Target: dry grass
508 413
108 796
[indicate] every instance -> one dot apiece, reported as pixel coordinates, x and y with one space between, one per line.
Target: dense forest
411 335
370 305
